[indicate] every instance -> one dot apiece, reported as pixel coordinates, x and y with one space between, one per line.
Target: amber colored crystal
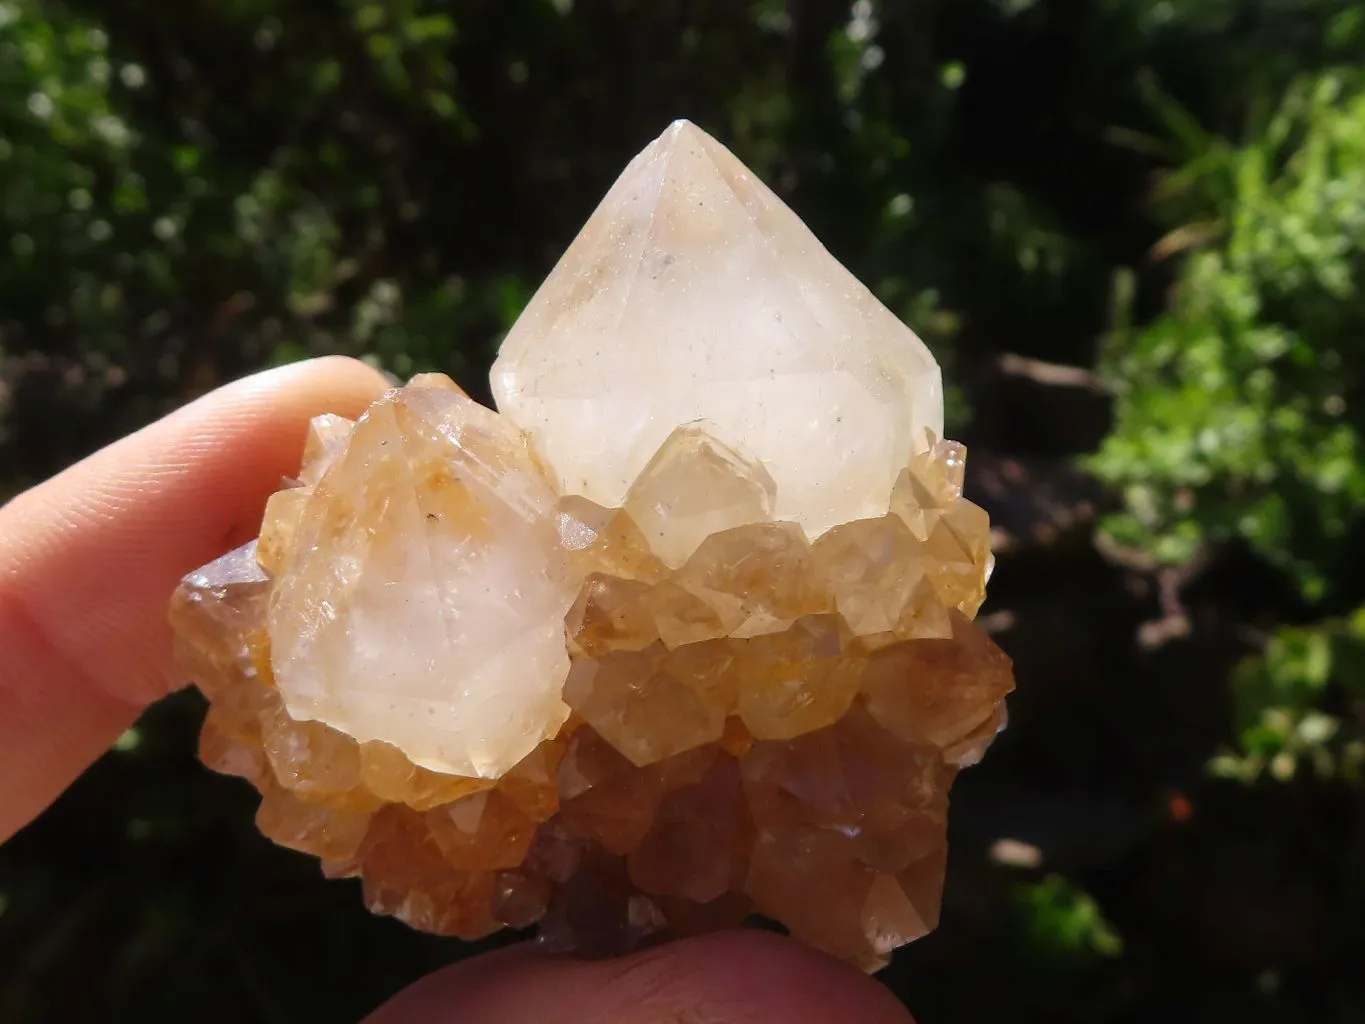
605 540
937 691
603 797
308 827
611 614
759 579
533 782
520 899
482 832
390 776
876 570
959 558
645 711
708 667
407 876
798 680
597 911
222 751
972 747
686 769
214 614
327 438
753 720
736 740
928 486
697 845
282 513
683 617
694 487
316 763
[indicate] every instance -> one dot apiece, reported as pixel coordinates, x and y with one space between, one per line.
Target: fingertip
89 559
347 385
759 976
96 551
740 977
256 424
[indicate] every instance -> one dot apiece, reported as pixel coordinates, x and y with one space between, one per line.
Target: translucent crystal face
694 293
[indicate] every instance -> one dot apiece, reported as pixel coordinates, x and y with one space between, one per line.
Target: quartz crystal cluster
681 634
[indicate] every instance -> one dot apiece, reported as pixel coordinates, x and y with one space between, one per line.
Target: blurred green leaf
1065 921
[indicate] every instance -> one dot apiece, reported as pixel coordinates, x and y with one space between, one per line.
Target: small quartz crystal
680 634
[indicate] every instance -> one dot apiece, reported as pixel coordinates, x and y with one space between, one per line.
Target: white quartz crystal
424 599
694 293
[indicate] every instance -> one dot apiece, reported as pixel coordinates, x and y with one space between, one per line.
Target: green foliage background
1134 231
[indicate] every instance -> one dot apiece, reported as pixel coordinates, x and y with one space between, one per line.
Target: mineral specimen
681 634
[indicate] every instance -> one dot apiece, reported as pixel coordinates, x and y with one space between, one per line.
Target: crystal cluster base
753 722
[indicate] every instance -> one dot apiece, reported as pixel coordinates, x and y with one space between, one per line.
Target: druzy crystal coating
683 633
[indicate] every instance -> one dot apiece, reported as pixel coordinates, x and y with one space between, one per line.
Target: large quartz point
681 634
694 293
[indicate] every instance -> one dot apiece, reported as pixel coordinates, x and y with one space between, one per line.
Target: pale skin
88 561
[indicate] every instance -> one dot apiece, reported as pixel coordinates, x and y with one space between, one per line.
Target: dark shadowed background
1133 231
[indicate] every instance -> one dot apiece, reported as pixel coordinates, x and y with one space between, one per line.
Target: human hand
88 561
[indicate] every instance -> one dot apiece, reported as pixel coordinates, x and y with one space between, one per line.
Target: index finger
89 559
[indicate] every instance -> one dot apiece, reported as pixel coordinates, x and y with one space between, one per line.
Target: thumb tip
740 976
